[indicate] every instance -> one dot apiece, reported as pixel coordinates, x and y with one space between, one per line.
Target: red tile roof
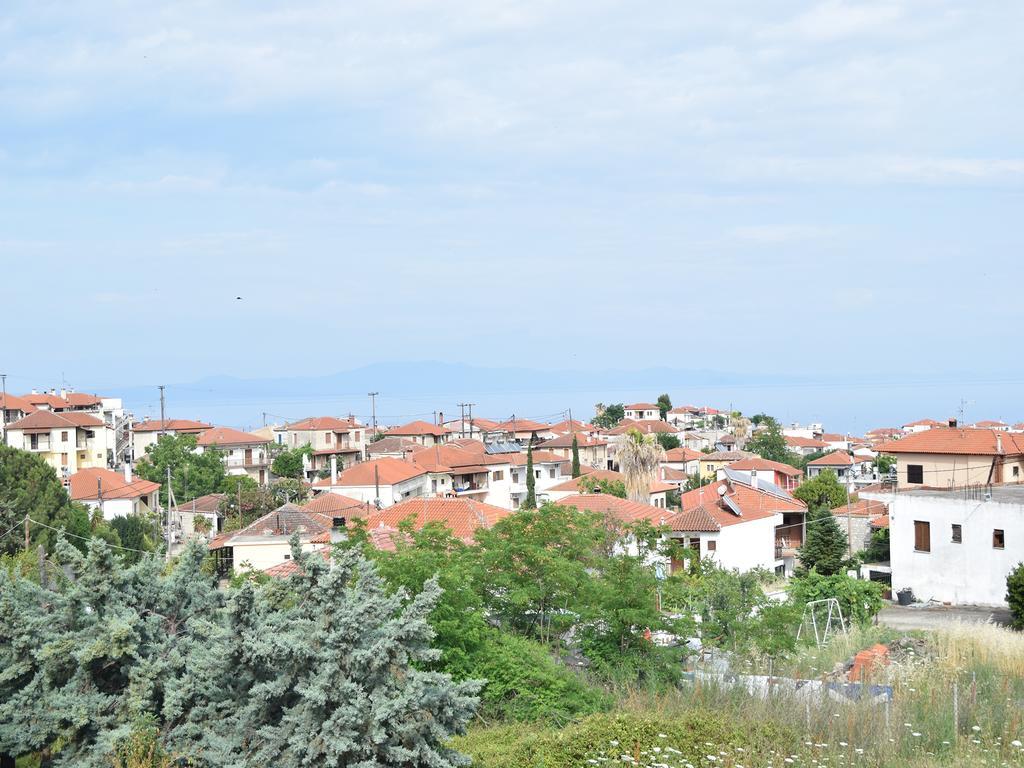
39 399
805 442
990 423
644 426
42 421
86 484
753 505
573 484
414 428
334 504
15 403
571 426
696 520
447 458
641 407
519 459
924 423
229 436
880 522
323 423
171 425
389 472
834 459
291 568
521 425
764 465
624 510
462 516
683 454
957 440
863 508
565 441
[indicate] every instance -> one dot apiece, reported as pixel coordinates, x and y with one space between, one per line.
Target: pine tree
824 549
531 482
321 670
575 457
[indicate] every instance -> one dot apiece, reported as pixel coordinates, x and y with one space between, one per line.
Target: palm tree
639 456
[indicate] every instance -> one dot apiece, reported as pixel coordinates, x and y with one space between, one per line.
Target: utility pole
470 418
168 522
163 422
462 429
373 410
26 533
3 410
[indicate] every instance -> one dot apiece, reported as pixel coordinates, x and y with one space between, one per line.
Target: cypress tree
575 456
531 481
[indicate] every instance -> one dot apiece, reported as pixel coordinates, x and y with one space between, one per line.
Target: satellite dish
721 490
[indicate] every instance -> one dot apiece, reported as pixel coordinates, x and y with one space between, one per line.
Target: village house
642 412
741 522
954 457
857 519
683 459
146 433
462 516
921 425
422 432
243 453
955 545
710 463
466 427
657 497
208 508
454 471
14 408
593 451
115 494
522 431
1002 426
805 446
266 542
392 447
382 482
334 441
785 476
67 441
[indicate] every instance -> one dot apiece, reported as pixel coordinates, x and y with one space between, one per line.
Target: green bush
592 739
1015 595
859 600
524 682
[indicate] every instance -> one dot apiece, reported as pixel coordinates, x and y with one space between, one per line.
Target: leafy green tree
533 570
878 549
769 443
664 406
673 499
135 533
289 490
234 483
693 482
531 482
667 440
609 486
326 668
824 549
29 486
1015 595
884 463
288 463
859 599
823 491
192 474
758 418
575 456
609 416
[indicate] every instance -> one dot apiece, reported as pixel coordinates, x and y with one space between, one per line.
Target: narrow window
1016 470
915 473
957 533
922 536
64 438
998 539
712 544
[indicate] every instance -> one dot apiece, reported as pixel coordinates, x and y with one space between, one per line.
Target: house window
915 473
958 535
515 477
922 536
433 485
287 557
1016 471
998 539
497 475
536 473
327 437
551 473
64 459
712 545
64 438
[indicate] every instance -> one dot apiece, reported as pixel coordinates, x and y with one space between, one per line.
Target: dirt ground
935 616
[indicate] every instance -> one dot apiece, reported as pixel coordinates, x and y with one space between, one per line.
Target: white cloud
835 19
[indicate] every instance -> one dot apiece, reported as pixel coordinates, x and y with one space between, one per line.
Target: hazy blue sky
812 187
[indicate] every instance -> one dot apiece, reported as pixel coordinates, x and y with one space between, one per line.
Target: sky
813 188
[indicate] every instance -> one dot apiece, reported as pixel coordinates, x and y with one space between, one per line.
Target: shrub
1015 595
859 600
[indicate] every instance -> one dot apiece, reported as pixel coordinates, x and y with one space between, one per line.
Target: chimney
440 417
753 479
952 423
63 393
334 470
999 442
127 472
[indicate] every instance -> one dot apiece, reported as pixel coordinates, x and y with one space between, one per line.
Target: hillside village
933 507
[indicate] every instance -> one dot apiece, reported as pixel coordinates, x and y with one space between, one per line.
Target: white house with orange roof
657 497
785 476
921 425
147 432
741 522
642 411
343 440
422 432
683 459
115 494
593 451
68 441
462 516
12 409
1002 426
523 431
243 453
382 482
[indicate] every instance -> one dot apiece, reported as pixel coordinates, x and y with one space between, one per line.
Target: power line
87 538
